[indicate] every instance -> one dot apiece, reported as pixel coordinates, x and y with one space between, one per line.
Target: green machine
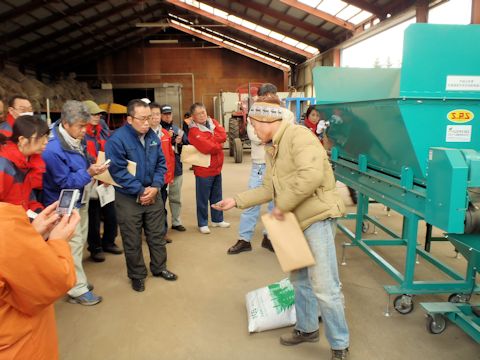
409 138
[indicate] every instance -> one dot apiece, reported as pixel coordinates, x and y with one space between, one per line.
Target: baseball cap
166 109
93 108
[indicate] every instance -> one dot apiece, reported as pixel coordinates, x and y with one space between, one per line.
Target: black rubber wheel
436 323
233 133
238 150
459 298
403 304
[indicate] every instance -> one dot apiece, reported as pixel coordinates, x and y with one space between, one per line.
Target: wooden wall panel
214 70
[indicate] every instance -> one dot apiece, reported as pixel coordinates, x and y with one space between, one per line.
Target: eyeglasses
144 119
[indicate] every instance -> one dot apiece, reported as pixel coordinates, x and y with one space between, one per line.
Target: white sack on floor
271 307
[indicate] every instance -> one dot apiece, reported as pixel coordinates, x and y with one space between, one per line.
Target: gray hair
74 111
267 88
196 105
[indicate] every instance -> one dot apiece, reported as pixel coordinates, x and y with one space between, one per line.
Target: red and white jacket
18 177
208 140
166 142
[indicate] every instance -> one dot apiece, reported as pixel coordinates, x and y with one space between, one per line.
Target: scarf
311 125
75 144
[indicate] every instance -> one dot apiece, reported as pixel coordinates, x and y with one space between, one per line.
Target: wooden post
422 11
336 57
475 11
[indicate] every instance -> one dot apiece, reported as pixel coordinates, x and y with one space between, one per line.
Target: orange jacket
33 274
167 149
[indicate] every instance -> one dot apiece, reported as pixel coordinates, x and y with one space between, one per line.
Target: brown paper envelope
290 245
190 155
106 177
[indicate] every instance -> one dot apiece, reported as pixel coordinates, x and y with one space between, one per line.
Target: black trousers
95 213
164 194
132 218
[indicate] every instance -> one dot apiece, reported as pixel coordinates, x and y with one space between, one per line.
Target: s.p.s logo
460 116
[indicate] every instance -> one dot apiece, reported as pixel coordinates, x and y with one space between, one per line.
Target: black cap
165 109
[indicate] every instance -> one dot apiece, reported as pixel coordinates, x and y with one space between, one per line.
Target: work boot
267 244
298 337
340 354
113 249
98 256
239 247
138 285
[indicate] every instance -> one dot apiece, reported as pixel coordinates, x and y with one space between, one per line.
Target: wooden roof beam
98 31
49 20
232 48
319 14
365 5
263 48
21 10
240 28
287 18
71 28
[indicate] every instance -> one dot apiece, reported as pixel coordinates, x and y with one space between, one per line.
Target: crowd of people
38 161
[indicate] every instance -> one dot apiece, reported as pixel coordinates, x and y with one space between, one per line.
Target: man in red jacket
208 136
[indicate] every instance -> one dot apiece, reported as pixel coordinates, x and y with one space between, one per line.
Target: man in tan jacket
299 179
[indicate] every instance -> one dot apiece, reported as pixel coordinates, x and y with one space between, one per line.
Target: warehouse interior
179 52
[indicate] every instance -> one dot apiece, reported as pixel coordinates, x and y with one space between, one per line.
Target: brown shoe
340 354
267 244
298 337
239 247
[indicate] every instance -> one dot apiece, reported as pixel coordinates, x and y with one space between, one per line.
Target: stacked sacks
13 82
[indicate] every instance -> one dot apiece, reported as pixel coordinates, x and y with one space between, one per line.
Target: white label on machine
463 83
459 133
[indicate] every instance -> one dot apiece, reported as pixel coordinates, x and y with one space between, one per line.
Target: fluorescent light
166 41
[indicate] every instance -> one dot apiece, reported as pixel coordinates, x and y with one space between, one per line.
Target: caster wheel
459 298
403 304
365 226
435 323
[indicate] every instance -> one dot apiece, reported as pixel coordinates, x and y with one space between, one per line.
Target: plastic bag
271 307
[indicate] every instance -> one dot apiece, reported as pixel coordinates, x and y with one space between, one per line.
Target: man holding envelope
207 136
138 203
300 180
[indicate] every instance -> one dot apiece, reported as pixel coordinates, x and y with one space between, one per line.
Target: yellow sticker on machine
460 116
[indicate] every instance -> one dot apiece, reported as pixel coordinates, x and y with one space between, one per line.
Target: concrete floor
203 316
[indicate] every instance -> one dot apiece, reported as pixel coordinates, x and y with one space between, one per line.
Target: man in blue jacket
138 202
68 167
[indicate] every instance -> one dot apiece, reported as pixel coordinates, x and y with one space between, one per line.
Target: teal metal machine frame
403 196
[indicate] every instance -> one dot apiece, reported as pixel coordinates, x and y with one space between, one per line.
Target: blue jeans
208 189
318 286
249 217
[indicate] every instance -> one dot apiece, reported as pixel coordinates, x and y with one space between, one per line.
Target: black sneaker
239 247
298 337
339 354
138 285
267 244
